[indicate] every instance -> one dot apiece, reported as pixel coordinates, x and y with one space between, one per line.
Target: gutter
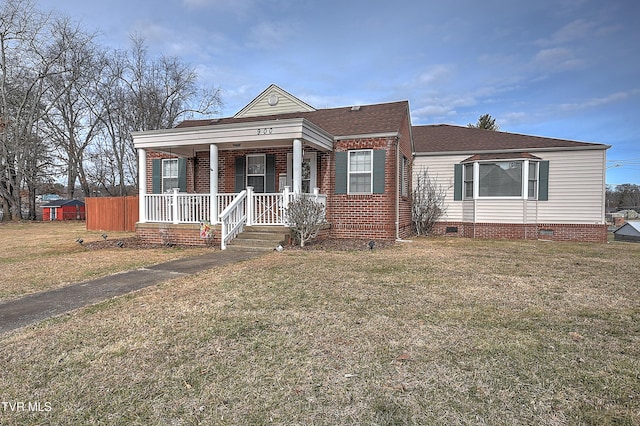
521 149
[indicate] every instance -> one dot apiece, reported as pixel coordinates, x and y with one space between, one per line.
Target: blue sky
567 69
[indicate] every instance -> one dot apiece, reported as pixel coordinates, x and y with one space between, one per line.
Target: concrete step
259 238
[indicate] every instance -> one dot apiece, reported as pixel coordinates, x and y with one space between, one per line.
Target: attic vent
355 108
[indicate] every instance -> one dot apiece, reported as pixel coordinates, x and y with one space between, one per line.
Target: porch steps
262 238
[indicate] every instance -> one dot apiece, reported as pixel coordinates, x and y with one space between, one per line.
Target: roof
445 138
339 122
61 203
631 227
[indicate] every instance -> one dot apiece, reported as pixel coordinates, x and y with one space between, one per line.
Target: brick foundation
187 234
592 233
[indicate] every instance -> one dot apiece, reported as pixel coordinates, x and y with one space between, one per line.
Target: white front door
309 171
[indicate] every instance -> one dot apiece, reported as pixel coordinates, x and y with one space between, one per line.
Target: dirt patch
343 244
130 243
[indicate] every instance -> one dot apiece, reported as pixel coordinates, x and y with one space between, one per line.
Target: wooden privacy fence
112 213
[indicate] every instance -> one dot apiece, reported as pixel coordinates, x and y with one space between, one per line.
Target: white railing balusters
237 210
233 218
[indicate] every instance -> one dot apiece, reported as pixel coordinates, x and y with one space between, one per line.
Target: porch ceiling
251 135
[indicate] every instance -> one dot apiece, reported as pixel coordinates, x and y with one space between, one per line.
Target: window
532 187
404 190
524 179
500 179
468 181
256 168
169 174
360 171
306 175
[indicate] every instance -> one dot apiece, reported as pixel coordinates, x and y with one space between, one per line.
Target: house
240 172
506 185
630 231
231 175
63 210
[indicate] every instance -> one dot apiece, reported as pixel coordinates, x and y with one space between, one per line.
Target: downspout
398 188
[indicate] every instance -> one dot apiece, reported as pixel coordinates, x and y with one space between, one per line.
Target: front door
309 171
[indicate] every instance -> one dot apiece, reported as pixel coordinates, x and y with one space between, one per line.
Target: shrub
427 203
305 217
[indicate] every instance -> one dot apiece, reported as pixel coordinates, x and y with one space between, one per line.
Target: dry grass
37 256
439 331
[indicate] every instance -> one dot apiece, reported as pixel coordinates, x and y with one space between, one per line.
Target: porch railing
236 210
178 207
233 218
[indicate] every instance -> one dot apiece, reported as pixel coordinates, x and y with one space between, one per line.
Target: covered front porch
254 170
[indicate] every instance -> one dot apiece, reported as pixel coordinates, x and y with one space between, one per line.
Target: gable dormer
273 100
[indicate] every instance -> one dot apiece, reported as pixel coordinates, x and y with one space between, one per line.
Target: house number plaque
265 131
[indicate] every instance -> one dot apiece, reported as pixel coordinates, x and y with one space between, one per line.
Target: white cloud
434 74
268 35
573 31
596 102
557 58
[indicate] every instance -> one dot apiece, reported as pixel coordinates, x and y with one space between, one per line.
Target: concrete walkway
36 307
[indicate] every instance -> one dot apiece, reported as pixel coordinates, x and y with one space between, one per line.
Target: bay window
503 179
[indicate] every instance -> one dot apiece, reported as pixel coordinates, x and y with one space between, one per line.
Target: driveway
37 307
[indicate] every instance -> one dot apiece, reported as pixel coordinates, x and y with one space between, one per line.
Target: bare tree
71 124
428 205
138 93
305 217
30 53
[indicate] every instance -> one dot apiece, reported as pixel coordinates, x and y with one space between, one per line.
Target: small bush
305 217
428 203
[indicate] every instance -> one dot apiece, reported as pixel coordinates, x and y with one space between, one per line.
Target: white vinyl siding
576 188
576 191
440 169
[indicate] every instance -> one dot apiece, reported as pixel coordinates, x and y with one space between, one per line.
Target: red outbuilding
63 210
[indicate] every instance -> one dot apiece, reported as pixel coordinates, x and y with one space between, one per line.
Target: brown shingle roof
447 138
344 121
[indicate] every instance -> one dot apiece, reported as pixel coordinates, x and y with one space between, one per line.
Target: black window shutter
457 181
182 174
341 172
156 176
240 173
379 157
543 181
270 184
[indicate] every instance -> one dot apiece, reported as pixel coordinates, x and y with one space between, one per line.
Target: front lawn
38 256
438 331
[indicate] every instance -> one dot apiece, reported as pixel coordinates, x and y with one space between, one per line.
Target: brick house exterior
360 162
331 142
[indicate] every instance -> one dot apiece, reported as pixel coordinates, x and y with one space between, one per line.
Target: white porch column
142 185
213 182
249 206
297 166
